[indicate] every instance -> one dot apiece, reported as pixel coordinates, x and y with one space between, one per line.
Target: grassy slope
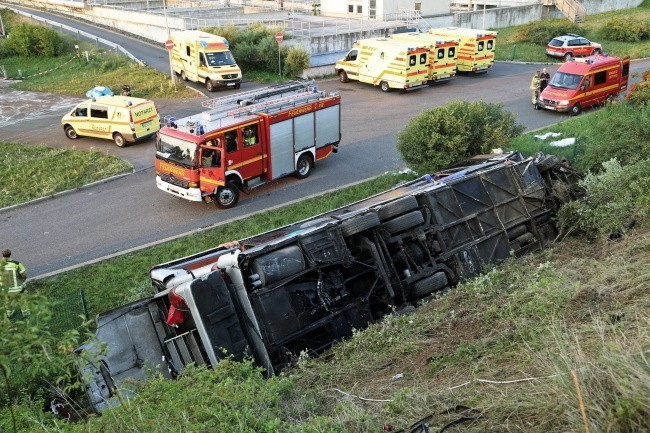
590 29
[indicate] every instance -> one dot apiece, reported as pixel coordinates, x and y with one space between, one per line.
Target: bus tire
359 223
429 285
397 207
209 85
404 222
384 86
343 77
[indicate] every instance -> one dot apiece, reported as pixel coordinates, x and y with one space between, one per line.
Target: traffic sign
169 44
279 37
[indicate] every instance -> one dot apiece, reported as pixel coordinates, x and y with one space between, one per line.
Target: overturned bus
307 285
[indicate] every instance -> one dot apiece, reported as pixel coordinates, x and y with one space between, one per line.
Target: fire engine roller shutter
328 126
282 148
303 127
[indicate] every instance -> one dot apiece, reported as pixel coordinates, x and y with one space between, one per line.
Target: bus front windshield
176 150
222 58
565 81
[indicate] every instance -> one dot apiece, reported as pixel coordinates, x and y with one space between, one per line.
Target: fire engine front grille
229 76
182 183
549 102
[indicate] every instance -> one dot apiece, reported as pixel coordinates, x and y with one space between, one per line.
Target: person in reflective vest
13 272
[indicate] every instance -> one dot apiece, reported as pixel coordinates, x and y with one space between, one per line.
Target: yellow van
123 119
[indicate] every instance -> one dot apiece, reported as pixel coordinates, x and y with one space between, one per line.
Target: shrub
626 29
623 136
297 60
639 93
613 199
32 41
447 134
540 32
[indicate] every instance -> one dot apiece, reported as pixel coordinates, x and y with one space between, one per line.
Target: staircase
572 9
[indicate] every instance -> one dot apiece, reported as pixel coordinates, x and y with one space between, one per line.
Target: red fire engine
246 140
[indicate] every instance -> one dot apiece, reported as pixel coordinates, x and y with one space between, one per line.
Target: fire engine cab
246 140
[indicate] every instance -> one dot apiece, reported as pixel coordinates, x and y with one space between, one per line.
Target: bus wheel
119 139
227 196
303 167
575 110
384 86
343 77
209 85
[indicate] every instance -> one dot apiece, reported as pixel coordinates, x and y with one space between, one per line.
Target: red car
570 46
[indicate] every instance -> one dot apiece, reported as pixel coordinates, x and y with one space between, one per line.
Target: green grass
510 48
106 69
30 172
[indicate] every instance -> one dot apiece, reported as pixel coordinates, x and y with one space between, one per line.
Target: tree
447 134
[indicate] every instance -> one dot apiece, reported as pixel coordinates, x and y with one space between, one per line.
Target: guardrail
79 33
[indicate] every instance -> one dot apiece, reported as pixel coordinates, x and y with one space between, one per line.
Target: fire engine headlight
193 184
563 103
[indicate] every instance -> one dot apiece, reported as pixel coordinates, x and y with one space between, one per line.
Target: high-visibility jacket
13 274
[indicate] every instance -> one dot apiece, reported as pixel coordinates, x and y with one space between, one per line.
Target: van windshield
176 150
221 58
565 81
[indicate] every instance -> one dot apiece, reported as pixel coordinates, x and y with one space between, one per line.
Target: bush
626 30
639 93
623 136
33 41
540 32
613 199
297 60
447 134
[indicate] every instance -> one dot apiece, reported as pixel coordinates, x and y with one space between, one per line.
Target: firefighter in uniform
13 272
534 89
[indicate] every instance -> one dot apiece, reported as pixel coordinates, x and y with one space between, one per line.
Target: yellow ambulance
387 63
475 50
123 119
204 58
443 53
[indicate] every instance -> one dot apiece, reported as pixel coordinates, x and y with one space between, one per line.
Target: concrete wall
500 17
597 6
385 9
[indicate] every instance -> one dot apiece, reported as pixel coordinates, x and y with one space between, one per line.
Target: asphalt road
129 212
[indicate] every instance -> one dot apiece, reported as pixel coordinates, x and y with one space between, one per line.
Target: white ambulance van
123 119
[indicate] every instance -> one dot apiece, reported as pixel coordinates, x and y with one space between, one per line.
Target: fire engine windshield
222 58
565 81
174 149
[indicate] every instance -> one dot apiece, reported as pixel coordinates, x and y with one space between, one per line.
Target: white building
383 9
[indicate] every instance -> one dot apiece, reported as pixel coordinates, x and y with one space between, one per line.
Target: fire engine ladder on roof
277 104
250 96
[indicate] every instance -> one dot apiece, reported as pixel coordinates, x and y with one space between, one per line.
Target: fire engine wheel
343 77
575 110
227 196
209 85
567 57
303 167
384 86
608 100
71 133
119 140
183 76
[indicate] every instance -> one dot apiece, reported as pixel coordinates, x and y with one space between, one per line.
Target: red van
581 83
